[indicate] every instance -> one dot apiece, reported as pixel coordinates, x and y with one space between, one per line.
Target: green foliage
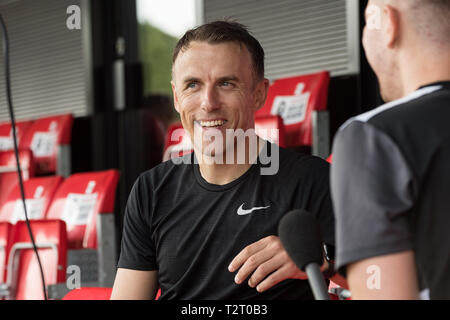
156 49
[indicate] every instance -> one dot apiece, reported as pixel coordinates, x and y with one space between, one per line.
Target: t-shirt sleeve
137 247
372 188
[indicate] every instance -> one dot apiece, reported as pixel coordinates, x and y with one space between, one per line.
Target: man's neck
425 71
221 174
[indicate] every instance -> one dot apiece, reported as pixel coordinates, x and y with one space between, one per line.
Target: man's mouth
212 124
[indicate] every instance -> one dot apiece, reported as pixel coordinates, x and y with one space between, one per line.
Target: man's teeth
212 123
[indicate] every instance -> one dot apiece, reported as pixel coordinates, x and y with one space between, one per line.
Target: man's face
381 58
214 90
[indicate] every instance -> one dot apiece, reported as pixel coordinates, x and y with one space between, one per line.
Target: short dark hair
225 31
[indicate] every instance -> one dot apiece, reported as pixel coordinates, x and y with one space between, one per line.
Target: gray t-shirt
390 182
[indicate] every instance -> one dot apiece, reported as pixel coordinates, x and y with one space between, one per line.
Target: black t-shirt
390 182
190 230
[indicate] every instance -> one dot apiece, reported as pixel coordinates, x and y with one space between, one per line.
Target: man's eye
191 85
226 84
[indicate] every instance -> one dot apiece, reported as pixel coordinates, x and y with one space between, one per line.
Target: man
205 227
391 175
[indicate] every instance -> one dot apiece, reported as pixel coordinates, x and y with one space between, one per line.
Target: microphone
300 236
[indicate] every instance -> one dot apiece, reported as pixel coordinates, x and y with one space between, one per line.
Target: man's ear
261 93
391 26
175 97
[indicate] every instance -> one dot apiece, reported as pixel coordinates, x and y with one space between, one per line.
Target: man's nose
210 100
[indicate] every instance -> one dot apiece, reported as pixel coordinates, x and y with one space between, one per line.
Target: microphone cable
16 149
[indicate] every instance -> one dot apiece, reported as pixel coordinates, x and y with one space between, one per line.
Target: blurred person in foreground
390 177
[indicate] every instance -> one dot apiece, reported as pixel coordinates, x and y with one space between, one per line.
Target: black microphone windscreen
300 235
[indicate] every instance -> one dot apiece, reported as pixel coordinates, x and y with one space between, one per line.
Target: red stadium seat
23 270
85 201
94 294
8 171
79 200
5 245
264 128
295 99
84 205
89 294
49 139
39 193
6 142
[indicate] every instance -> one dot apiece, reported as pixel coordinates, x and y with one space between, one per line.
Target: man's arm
373 189
135 285
137 275
388 277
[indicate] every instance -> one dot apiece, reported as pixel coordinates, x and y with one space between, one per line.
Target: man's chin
211 151
218 154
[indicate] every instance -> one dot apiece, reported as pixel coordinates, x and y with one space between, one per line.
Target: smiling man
390 176
206 227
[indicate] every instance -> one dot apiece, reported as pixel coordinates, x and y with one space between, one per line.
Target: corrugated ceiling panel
46 59
298 36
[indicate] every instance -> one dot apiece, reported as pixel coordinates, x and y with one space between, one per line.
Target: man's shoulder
409 109
299 158
293 162
430 103
416 117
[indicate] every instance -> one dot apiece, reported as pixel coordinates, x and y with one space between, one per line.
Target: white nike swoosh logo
242 212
